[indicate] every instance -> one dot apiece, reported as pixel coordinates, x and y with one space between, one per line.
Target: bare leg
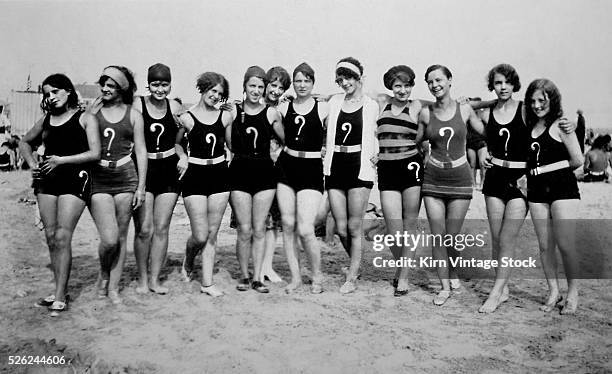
242 204
266 267
143 227
391 202
307 207
564 230
540 215
411 204
217 204
162 215
261 206
103 214
197 208
505 221
123 209
287 206
357 203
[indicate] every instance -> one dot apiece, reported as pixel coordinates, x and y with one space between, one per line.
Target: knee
288 224
305 231
145 232
62 238
199 238
355 227
109 241
259 232
162 230
245 232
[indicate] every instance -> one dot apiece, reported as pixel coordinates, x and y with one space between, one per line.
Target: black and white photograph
292 186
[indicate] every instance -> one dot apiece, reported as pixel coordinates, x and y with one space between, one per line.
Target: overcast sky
566 41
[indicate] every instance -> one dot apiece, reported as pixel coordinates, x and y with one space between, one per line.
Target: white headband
350 66
118 76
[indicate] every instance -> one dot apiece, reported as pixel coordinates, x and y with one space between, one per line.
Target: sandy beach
369 331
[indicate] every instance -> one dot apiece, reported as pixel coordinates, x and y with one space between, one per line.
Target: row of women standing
361 135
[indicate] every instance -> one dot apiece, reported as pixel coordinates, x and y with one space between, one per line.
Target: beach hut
25 110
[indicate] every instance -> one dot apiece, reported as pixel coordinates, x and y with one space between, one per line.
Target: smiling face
274 91
56 98
110 90
438 83
213 96
159 89
401 90
539 104
503 88
254 89
348 84
302 85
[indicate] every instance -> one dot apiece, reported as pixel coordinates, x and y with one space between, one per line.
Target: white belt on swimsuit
302 154
158 155
597 173
206 161
550 167
115 164
448 164
508 164
347 148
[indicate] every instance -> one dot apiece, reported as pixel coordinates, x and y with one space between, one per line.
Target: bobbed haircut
507 71
127 95
306 70
341 71
278 73
60 81
443 68
552 94
402 72
254 71
207 81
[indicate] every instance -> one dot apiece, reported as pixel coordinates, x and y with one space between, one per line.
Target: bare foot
186 271
212 290
553 299
441 297
113 295
102 288
493 301
505 295
571 304
142 290
291 287
271 275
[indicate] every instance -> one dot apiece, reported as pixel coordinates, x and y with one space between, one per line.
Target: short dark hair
305 69
127 95
507 71
60 81
444 69
278 73
402 72
348 72
550 90
207 81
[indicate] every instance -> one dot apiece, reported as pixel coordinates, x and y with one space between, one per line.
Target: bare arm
474 120
274 117
571 143
25 146
140 150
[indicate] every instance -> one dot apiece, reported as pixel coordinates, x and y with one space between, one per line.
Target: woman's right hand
181 166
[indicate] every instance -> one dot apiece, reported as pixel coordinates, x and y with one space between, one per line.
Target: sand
369 331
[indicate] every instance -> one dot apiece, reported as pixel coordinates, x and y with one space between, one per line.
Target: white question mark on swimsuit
253 130
533 147
152 128
299 120
501 131
346 127
109 132
415 165
212 138
81 173
443 131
